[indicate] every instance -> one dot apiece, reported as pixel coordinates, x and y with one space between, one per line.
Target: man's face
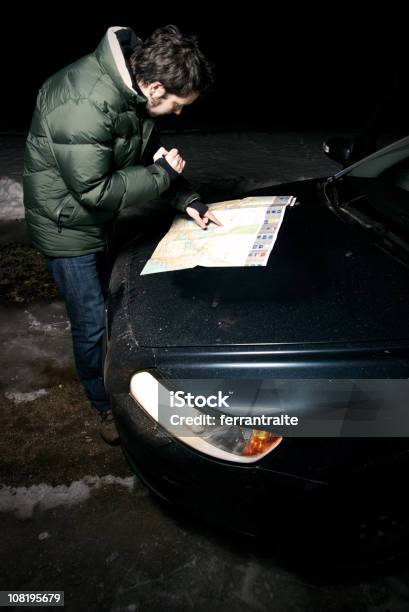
162 103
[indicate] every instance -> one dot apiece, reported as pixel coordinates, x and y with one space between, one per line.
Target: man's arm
180 194
82 141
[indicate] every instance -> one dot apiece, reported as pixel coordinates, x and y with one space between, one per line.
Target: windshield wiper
364 220
381 231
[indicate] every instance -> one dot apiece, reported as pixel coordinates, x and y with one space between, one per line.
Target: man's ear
156 90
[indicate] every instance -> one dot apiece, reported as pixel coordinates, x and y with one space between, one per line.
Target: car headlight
231 443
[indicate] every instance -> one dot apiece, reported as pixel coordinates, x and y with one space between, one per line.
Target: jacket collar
110 55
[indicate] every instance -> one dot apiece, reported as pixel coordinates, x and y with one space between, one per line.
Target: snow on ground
21 398
11 199
23 501
36 343
54 328
11 170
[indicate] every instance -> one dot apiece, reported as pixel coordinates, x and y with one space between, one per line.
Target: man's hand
175 160
160 153
204 220
170 161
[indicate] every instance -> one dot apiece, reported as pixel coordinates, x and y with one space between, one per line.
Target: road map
249 231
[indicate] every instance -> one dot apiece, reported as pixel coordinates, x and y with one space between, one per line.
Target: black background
277 67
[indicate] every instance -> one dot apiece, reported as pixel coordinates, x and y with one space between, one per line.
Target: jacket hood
113 52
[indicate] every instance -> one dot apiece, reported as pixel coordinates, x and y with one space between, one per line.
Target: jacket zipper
60 210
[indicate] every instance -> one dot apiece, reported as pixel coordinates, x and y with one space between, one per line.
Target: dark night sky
298 70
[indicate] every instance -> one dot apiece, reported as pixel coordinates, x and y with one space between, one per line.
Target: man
93 151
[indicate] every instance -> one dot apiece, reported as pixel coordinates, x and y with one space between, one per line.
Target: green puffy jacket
89 153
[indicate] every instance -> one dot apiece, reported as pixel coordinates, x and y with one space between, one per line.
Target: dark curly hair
173 59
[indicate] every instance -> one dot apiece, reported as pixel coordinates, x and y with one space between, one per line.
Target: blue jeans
82 282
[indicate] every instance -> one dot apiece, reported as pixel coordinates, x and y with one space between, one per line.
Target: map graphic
249 231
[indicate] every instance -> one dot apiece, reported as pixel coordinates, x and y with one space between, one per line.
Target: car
331 305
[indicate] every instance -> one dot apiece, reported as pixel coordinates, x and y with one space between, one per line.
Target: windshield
378 199
375 191
380 161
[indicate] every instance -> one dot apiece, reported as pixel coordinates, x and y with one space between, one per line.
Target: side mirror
339 149
347 151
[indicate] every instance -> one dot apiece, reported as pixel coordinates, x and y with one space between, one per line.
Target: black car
332 304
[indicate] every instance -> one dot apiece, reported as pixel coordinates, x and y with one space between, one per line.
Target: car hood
325 282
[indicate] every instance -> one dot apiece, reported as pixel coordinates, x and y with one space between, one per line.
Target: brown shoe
107 428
